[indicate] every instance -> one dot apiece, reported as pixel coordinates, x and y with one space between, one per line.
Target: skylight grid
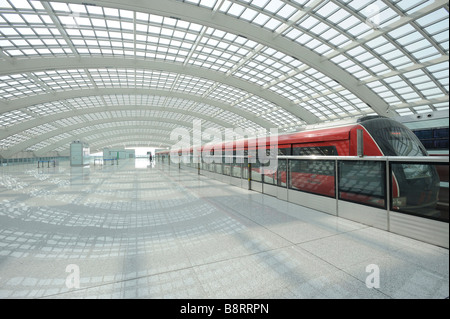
313 109
27 47
177 103
18 85
213 62
288 91
383 91
318 32
423 109
113 77
267 14
411 6
304 85
144 100
203 108
130 133
23 5
48 108
226 94
436 26
48 142
12 140
116 114
80 131
95 116
38 146
349 102
165 38
180 117
60 80
255 71
414 44
255 104
404 87
221 50
270 63
280 118
441 106
404 111
404 67
40 130
13 118
251 75
229 117
155 36
66 122
118 99
30 32
85 102
440 74
61 149
193 85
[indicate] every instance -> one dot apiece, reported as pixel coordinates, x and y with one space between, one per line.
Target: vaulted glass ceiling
126 73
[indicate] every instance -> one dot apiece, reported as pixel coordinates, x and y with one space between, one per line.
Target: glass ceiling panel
401 63
13 118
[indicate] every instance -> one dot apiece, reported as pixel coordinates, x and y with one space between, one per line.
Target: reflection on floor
136 230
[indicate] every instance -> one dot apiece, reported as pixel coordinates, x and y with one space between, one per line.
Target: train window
313 167
424 134
314 150
428 144
441 133
312 176
421 189
363 182
415 171
395 139
281 173
433 139
441 144
284 151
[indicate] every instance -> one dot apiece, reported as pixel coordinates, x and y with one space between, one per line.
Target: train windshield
394 138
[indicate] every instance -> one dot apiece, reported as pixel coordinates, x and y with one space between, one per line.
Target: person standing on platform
150 157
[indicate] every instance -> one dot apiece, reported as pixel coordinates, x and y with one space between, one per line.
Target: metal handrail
418 159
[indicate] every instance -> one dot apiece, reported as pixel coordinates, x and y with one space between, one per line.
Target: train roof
339 131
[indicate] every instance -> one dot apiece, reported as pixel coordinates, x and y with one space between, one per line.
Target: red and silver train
414 187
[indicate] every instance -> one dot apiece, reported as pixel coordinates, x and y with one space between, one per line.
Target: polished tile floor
138 231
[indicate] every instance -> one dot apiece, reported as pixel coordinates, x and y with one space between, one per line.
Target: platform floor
135 231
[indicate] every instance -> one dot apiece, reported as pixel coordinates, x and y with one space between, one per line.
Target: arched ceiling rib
204 16
104 138
123 142
136 121
274 63
25 103
100 63
108 113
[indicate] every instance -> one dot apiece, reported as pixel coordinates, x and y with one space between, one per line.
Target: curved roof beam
99 144
86 111
42 64
120 141
203 16
33 141
95 131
